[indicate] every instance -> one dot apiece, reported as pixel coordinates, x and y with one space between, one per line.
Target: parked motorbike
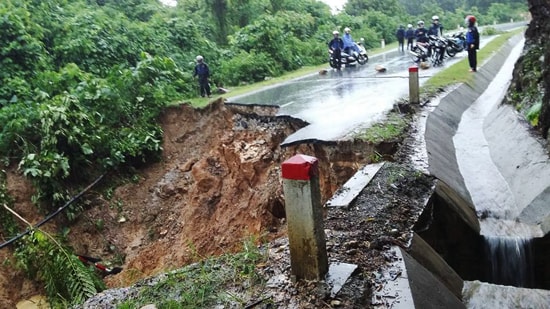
433 50
419 52
361 56
456 43
346 60
438 46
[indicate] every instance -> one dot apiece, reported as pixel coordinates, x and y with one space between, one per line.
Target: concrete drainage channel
489 218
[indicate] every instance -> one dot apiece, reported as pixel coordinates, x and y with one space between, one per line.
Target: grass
390 129
210 283
457 73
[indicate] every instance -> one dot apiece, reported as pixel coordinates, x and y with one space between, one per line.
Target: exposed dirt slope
218 182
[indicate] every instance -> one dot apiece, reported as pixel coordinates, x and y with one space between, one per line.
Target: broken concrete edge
424 254
407 284
351 189
442 123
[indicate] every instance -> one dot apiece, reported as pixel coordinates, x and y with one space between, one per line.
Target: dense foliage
83 81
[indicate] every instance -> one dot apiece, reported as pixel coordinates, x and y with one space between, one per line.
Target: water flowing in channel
510 260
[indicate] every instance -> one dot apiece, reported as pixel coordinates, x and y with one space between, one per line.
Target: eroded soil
218 183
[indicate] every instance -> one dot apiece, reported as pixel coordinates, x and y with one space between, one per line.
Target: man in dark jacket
421 34
409 35
472 42
336 45
203 72
436 28
400 34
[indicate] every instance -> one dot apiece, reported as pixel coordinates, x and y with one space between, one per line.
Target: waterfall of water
510 260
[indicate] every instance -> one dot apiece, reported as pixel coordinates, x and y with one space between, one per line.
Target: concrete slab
351 189
338 274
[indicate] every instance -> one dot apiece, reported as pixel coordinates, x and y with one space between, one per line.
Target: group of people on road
421 34
345 44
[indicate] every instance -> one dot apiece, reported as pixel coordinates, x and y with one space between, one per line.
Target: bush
248 67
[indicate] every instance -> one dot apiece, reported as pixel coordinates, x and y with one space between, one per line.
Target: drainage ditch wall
453 233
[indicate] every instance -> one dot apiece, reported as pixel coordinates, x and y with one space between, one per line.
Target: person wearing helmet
400 34
436 28
409 35
335 46
203 72
421 34
472 42
349 44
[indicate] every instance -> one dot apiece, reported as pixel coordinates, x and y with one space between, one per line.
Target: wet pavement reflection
337 102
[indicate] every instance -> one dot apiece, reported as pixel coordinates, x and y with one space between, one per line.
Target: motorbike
438 46
456 43
345 59
419 52
433 50
361 56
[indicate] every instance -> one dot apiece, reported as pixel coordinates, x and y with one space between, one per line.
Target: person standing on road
436 28
400 34
336 45
409 35
472 42
203 72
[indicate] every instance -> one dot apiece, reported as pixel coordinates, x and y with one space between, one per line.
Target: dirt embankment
218 182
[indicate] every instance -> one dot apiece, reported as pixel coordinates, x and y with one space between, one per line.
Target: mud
217 184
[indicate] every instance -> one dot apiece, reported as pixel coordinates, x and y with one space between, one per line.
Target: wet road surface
338 102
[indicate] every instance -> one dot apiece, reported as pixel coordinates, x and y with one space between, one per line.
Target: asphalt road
340 102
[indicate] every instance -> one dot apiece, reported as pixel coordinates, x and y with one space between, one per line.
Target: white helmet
199 58
335 32
435 17
347 30
420 23
409 26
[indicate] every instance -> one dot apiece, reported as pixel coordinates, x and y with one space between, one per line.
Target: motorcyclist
436 30
421 34
336 45
349 44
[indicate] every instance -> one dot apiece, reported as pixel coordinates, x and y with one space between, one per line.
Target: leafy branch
67 280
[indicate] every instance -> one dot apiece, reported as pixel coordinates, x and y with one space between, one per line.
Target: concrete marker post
414 92
304 214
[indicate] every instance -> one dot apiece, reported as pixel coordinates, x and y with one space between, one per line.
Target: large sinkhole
448 225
